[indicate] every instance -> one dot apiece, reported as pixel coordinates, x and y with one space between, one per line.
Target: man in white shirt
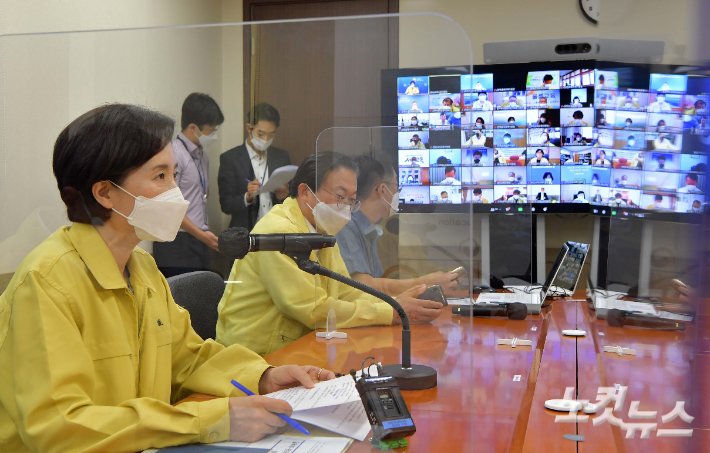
482 103
245 168
450 177
660 105
691 184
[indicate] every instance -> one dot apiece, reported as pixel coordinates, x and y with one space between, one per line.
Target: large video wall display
564 137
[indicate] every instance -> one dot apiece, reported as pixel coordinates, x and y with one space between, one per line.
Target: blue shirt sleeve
353 250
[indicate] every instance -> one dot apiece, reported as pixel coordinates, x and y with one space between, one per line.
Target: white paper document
278 178
289 444
334 405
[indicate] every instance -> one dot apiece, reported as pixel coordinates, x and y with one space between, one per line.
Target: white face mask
394 204
260 144
515 197
477 198
511 178
329 217
632 142
548 181
207 140
158 218
506 140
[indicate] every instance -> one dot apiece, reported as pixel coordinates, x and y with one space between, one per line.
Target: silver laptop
564 274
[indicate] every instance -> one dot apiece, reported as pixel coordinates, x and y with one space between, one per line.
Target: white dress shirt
260 171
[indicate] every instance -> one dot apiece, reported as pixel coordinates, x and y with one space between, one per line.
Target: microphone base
418 377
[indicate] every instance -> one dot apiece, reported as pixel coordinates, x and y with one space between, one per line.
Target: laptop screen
571 267
553 272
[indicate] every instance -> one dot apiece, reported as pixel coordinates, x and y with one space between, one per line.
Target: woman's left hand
284 377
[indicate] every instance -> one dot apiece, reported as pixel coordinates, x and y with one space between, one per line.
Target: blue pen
294 424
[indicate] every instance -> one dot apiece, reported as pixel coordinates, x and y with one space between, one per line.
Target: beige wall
51 79
513 20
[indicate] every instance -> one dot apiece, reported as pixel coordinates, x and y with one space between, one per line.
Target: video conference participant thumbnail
509 138
601 176
665 103
605 99
445 138
509 156
477 157
575 78
477 102
603 138
407 122
630 140
543 118
544 193
692 182
631 121
478 176
476 82
660 182
445 194
445 102
635 101
576 174
543 80
603 157
577 136
665 122
577 98
658 202
696 104
414 176
509 100
477 120
624 198
694 163
509 119
510 175
412 85
605 118
548 155
575 193
414 195
544 175
543 99
413 140
516 194
444 84
476 138
655 161
413 104
576 155
606 80
441 121
626 178
413 158
445 157
542 137
689 203
669 83
599 196
577 116
445 176
477 195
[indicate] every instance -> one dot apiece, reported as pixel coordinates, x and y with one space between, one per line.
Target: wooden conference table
490 398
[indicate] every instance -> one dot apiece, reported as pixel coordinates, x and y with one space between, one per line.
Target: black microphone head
517 311
234 243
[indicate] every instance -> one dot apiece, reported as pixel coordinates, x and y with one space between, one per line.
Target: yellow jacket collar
98 258
294 214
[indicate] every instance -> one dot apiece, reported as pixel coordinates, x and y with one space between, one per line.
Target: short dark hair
105 144
371 172
601 77
548 173
482 120
315 169
264 112
547 77
478 151
630 137
443 192
442 160
692 176
449 169
201 110
516 191
511 118
659 197
618 195
507 135
578 113
540 149
477 191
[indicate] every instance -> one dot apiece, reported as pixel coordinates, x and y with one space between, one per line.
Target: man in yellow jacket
276 302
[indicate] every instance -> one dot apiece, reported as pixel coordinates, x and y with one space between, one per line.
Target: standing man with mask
244 169
378 193
189 252
281 303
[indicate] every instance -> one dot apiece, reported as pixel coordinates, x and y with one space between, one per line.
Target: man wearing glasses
378 193
273 302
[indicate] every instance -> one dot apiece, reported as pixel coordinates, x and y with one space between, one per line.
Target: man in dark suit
247 167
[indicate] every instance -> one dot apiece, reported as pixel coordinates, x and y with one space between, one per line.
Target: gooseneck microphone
235 243
516 310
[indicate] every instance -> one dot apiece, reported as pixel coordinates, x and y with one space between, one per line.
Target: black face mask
476 160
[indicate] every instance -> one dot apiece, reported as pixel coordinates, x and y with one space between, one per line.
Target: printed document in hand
278 178
334 405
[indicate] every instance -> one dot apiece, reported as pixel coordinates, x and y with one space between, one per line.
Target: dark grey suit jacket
234 169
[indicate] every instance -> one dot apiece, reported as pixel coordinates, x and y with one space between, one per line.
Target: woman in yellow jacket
273 302
93 349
